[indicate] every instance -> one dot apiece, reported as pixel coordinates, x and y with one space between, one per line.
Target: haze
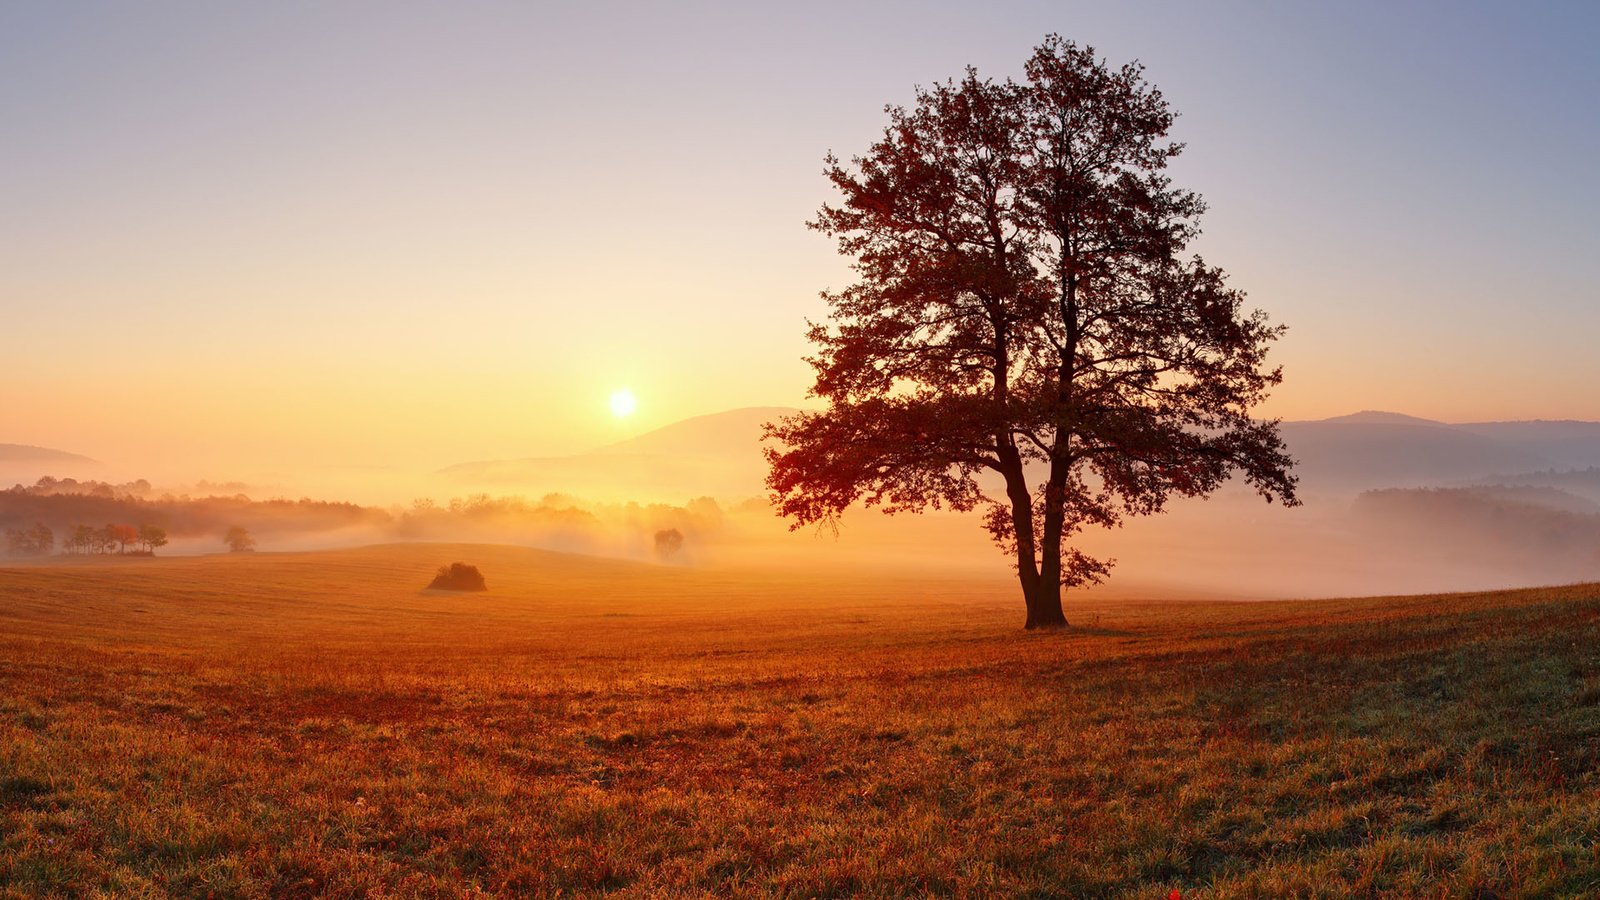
256 242
373 254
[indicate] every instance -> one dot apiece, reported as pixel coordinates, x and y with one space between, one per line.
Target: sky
241 238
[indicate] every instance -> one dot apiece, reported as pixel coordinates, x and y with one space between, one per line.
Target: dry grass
318 725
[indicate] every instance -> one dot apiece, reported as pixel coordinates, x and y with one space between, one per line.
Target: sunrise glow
623 403
851 449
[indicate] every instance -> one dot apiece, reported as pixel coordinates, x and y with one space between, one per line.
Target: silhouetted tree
83 539
668 542
239 540
1025 308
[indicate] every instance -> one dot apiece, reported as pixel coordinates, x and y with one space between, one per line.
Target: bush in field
458 577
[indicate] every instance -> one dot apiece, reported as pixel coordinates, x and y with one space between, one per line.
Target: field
317 725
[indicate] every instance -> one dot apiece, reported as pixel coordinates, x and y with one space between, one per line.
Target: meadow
318 725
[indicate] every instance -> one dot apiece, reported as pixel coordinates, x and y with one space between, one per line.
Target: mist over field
1393 504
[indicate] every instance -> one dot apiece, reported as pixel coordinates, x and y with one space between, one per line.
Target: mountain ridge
718 454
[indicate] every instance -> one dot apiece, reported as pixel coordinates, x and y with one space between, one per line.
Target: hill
720 455
1360 452
10 453
24 464
713 455
318 724
1562 444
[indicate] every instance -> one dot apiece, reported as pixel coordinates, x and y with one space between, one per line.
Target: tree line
125 540
40 540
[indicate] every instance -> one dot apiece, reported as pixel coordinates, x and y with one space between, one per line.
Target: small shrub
458 577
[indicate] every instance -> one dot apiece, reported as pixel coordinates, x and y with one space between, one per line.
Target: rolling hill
713 455
25 464
720 455
15 453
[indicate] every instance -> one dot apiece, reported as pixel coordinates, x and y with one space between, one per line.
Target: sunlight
623 403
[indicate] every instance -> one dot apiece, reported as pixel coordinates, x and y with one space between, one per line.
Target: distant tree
668 542
458 577
44 540
152 536
1025 310
239 540
38 540
83 539
120 536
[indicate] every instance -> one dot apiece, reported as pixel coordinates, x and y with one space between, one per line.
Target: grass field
317 725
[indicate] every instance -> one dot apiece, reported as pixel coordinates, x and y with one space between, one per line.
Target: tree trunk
1044 611
1044 607
1022 525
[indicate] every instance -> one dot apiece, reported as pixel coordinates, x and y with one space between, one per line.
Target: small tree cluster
36 541
143 539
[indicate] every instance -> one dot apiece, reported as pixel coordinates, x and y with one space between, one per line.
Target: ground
317 725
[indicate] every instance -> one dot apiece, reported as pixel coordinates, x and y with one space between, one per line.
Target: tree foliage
238 540
152 537
38 540
668 541
1028 332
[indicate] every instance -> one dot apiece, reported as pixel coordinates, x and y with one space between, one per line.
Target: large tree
1029 332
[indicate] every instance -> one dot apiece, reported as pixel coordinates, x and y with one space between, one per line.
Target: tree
152 536
121 536
668 542
36 541
1027 333
83 538
44 540
239 540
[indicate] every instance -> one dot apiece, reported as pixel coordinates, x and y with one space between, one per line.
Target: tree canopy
1028 333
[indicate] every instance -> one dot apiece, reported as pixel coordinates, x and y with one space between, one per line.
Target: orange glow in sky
239 238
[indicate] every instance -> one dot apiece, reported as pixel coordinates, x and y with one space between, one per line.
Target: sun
623 403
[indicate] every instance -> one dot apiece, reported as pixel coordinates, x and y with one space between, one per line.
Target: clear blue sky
294 231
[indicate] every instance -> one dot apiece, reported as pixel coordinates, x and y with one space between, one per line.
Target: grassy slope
314 724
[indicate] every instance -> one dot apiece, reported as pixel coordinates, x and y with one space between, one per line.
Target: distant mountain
719 455
732 433
25 464
713 455
1378 417
26 453
1562 444
1362 452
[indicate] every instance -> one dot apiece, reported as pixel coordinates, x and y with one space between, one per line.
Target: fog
1231 546
1391 505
